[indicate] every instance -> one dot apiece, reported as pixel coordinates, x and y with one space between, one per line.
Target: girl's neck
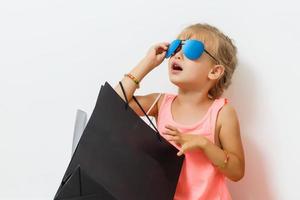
192 98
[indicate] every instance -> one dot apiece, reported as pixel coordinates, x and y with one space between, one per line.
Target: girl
198 121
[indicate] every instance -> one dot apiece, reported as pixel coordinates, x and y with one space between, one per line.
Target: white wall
54 55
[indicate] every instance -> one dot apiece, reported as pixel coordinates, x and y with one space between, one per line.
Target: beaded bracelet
133 78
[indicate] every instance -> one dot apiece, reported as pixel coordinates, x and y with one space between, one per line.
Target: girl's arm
139 72
230 139
155 56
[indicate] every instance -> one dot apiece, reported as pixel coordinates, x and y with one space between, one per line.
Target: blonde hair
220 46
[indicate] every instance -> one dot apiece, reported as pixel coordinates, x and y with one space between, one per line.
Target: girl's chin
176 81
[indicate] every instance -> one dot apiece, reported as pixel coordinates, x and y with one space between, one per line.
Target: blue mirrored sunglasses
192 49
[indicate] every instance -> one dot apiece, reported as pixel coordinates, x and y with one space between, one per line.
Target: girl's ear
216 72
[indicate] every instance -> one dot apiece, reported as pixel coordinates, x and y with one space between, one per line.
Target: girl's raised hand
156 54
186 141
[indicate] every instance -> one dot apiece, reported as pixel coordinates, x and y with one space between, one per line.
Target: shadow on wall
255 185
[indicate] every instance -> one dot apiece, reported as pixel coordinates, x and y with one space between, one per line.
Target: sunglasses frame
182 42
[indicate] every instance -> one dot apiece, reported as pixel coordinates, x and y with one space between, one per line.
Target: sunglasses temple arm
211 56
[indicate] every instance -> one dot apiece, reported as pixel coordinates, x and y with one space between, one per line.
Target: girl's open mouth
176 67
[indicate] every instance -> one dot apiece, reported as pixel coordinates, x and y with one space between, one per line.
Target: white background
55 55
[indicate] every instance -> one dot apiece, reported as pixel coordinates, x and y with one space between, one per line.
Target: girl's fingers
182 150
173 138
163 45
171 127
160 50
170 133
180 153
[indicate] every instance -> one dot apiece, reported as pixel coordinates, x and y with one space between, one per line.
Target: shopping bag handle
126 106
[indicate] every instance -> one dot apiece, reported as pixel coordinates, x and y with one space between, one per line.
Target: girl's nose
178 53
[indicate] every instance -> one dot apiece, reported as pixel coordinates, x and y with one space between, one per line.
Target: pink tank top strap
163 105
218 105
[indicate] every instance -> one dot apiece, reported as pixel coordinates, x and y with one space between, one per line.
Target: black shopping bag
120 157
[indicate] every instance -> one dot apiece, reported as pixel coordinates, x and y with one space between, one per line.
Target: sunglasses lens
172 48
193 49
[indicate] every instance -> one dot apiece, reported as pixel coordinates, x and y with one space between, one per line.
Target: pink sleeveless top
199 179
